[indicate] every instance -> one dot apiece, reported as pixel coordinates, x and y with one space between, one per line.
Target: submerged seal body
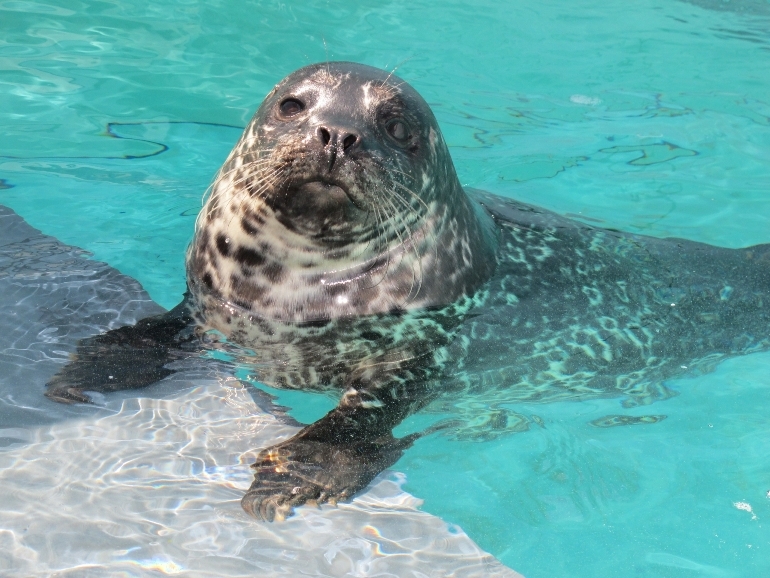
338 250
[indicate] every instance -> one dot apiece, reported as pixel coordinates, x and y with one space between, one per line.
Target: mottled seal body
574 311
338 250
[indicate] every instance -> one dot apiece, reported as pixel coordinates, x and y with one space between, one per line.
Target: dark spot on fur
247 256
222 245
248 228
207 280
274 272
266 328
379 262
371 335
335 290
316 324
397 311
246 291
256 217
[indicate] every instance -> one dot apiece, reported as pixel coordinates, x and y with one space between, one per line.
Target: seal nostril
349 141
325 136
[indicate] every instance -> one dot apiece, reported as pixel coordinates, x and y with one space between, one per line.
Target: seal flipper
312 467
129 357
333 458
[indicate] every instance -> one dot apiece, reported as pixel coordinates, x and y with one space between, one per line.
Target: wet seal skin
338 251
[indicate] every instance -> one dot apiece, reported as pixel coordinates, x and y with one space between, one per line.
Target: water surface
651 117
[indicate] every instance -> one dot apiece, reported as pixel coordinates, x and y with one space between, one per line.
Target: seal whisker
431 230
217 196
246 167
375 236
326 49
379 249
410 237
268 181
408 225
223 172
412 194
262 177
405 242
392 72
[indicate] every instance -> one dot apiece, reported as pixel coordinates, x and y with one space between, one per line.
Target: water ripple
155 489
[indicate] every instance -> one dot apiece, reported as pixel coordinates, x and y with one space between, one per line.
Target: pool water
651 117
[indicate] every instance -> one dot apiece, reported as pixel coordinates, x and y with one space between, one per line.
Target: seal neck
252 260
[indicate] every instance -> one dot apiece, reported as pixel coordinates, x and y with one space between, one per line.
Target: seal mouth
325 190
324 194
318 208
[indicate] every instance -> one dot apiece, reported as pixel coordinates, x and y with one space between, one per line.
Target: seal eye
398 129
291 106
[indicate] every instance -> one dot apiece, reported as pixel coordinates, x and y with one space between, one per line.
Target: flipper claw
68 395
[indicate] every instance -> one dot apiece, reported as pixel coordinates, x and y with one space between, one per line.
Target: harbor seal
338 250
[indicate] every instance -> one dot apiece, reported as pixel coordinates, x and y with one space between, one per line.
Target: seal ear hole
398 130
291 107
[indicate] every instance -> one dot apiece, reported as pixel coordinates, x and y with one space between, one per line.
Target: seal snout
335 141
332 138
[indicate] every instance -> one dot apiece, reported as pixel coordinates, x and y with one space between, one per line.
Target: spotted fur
574 311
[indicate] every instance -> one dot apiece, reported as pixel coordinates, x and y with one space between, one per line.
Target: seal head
339 200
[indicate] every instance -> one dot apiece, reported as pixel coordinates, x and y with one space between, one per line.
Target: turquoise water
651 117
